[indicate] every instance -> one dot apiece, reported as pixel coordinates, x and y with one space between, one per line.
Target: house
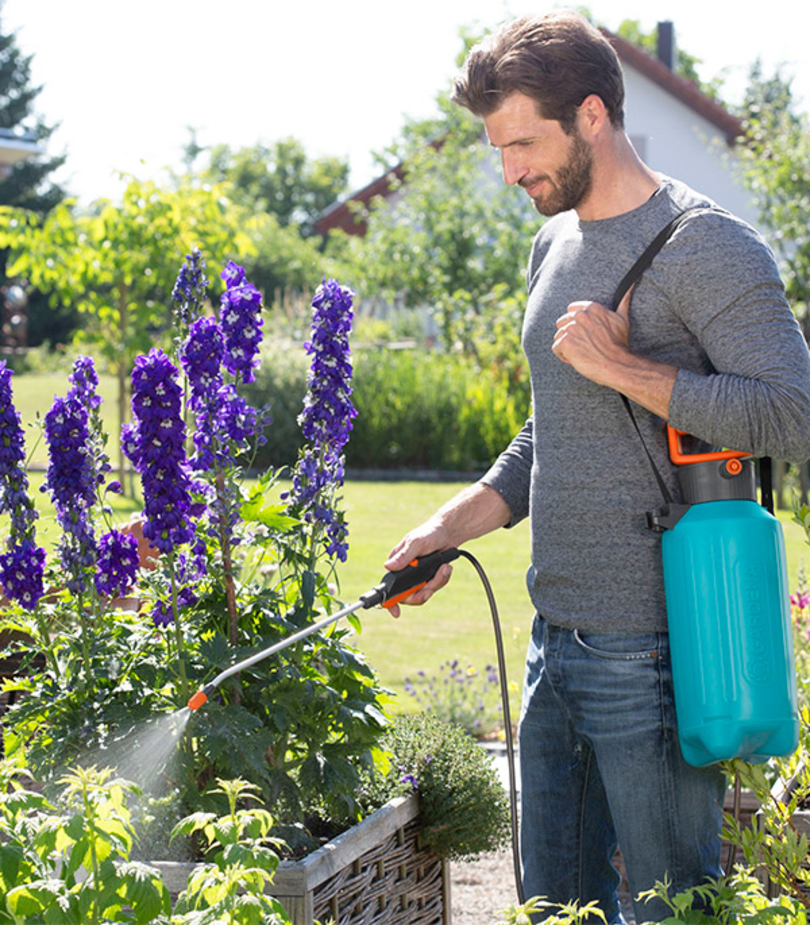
14 147
676 129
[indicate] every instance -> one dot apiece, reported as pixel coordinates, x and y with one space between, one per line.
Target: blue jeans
600 765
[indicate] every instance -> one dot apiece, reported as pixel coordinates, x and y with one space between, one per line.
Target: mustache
528 182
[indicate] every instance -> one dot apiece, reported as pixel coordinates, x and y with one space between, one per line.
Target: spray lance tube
728 612
394 587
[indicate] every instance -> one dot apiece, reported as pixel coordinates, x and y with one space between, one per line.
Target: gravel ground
481 890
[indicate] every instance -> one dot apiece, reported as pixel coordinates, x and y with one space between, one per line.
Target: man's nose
513 166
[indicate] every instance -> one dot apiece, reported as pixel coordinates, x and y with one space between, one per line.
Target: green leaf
144 891
270 515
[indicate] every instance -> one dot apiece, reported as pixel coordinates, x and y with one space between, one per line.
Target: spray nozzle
201 697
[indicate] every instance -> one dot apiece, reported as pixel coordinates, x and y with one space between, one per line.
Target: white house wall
680 143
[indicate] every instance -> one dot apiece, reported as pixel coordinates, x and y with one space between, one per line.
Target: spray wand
394 587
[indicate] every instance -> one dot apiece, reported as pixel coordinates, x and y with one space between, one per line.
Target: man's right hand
430 537
474 511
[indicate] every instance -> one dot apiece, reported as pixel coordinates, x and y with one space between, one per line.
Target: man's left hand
594 341
592 338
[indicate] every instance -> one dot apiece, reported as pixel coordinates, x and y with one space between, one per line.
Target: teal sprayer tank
728 609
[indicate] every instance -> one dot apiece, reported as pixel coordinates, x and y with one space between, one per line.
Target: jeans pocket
622 647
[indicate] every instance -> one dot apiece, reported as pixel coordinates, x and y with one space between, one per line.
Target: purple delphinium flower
22 571
163 612
326 420
189 288
22 566
154 444
14 497
224 419
240 318
84 383
117 563
84 380
201 357
71 482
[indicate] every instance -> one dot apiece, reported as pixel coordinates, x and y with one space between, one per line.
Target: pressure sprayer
725 580
395 587
728 611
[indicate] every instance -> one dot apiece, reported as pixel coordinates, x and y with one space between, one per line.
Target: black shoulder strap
634 273
632 276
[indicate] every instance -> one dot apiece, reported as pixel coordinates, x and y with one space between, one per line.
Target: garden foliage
463 808
127 621
416 409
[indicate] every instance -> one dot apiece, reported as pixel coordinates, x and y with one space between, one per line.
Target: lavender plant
459 695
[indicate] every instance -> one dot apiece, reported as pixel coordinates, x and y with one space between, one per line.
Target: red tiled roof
687 91
343 215
347 216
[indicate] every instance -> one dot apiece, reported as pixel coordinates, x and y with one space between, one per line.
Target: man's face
554 168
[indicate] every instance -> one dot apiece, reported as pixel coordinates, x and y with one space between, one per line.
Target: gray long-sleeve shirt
713 305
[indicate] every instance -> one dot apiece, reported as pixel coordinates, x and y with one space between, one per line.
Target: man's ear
592 116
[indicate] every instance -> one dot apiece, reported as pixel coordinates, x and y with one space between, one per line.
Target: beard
571 184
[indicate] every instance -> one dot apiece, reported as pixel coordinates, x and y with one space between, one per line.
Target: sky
126 80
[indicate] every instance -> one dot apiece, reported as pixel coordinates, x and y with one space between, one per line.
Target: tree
775 160
289 189
28 185
776 169
686 65
280 179
118 265
455 240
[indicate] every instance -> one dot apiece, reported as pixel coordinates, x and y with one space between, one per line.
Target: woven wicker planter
376 873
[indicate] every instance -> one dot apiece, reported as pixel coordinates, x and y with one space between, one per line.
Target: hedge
417 409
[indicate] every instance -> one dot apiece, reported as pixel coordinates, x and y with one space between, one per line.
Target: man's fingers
623 307
423 595
568 317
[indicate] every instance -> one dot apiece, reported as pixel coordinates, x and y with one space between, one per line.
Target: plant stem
227 569
90 817
227 561
84 629
178 632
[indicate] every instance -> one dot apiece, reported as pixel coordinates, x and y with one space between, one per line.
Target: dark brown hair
558 60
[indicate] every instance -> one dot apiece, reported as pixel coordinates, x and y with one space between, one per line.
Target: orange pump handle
677 455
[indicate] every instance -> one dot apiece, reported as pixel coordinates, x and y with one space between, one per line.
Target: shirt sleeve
756 398
511 474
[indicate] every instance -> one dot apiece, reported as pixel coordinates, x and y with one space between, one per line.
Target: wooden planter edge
294 877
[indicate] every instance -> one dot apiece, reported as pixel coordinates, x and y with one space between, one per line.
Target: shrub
464 809
416 409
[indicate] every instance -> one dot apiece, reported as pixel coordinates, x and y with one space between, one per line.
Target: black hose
507 719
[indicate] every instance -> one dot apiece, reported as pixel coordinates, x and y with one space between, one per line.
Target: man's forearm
643 381
473 512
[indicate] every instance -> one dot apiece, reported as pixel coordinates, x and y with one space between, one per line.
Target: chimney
666 44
